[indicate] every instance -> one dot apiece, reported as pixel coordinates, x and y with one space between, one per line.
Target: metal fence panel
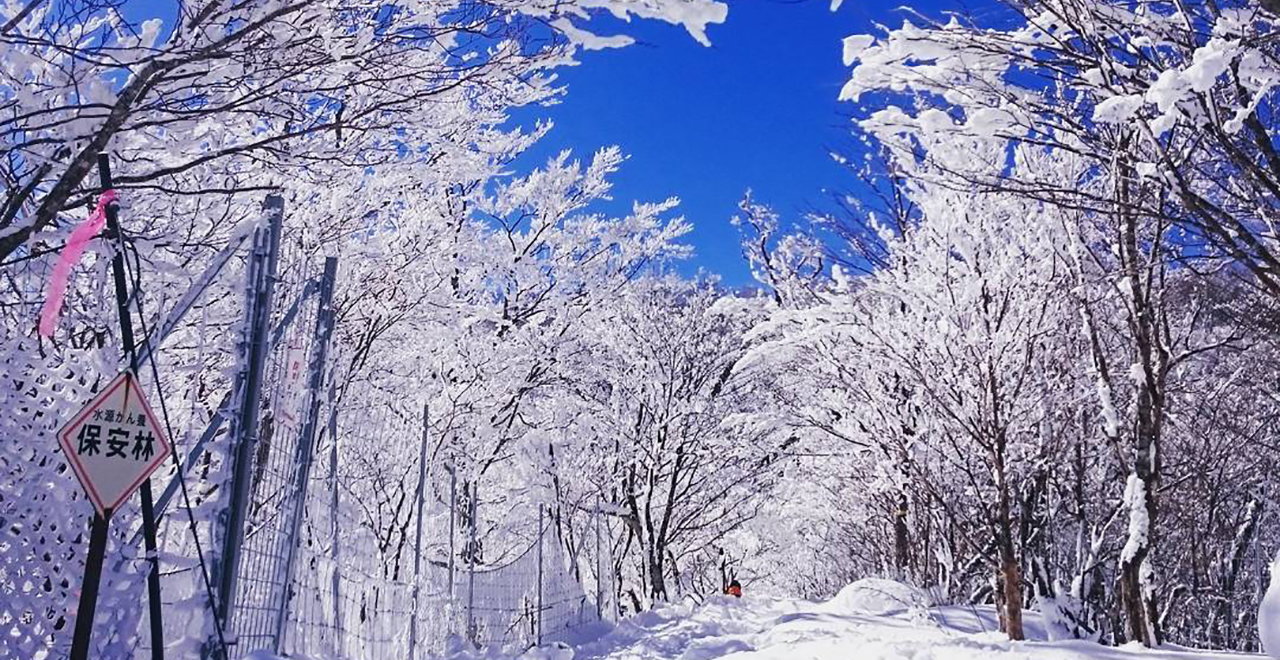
261 586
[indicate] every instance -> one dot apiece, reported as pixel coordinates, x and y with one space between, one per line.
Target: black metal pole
541 533
472 488
89 589
126 338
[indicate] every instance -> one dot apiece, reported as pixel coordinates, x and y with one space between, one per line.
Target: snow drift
870 619
874 596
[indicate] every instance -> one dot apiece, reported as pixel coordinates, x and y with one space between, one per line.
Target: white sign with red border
289 397
114 443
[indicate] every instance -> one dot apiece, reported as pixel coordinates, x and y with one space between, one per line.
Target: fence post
229 523
453 516
541 534
335 584
599 564
474 492
306 443
417 544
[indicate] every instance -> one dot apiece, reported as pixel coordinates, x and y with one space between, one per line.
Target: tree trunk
1009 575
1137 593
657 585
901 540
1225 615
1137 596
1010 581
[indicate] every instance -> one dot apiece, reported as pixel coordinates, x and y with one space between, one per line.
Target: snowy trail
750 629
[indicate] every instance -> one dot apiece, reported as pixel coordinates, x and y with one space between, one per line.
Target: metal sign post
113 444
599 561
472 489
126 339
541 533
453 517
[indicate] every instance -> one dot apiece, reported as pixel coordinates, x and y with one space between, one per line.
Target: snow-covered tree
672 448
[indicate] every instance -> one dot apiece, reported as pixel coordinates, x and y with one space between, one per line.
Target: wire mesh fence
328 568
373 614
278 464
359 594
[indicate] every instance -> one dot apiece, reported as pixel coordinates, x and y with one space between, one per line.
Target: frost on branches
1002 403
1125 150
1032 367
384 128
235 99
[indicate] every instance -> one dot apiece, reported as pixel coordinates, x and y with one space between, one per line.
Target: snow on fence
530 600
311 579
314 579
351 600
373 614
44 516
275 482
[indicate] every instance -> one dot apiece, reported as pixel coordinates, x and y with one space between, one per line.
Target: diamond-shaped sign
114 443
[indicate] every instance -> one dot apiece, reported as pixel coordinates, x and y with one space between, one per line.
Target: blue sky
756 110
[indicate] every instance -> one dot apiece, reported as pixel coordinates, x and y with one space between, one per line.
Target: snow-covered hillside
864 627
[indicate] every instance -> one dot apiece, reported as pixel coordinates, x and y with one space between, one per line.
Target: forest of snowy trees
1052 379
1029 357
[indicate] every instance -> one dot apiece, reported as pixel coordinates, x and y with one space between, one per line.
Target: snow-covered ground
850 627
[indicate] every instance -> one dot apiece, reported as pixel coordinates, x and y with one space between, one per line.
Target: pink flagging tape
71 254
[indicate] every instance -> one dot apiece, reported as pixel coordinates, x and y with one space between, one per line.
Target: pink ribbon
71 254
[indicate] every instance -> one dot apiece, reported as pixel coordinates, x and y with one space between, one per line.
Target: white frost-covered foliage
944 359
1269 616
995 348
239 98
1051 378
461 285
1132 144
661 430
1150 90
